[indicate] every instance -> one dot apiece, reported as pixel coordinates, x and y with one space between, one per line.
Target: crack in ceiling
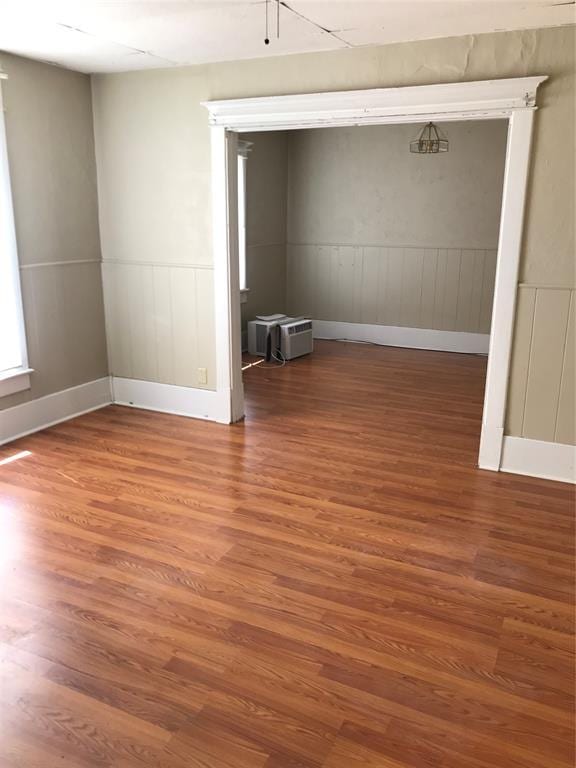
136 34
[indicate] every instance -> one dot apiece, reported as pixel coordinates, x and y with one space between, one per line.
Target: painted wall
362 186
266 195
380 235
448 289
153 155
53 175
542 388
154 197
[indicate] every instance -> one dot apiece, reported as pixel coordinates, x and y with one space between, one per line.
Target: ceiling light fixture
430 141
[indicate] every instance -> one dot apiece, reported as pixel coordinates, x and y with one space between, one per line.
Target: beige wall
542 387
362 186
53 175
266 194
153 155
380 235
154 160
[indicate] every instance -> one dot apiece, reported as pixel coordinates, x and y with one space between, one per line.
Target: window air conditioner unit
296 338
258 332
291 335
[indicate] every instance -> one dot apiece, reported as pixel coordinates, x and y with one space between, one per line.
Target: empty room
287 394
368 235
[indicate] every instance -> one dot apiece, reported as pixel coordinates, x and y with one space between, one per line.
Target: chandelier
430 141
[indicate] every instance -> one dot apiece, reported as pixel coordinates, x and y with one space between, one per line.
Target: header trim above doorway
484 99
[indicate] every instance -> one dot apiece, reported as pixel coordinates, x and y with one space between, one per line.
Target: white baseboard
21 420
551 461
397 336
169 398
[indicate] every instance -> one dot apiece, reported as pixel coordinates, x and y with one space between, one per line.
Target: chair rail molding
513 99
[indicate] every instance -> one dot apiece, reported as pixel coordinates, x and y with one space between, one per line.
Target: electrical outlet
202 376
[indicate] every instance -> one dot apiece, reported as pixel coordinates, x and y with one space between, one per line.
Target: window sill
14 380
244 295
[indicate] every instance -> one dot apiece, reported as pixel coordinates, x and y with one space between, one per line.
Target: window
14 371
243 150
242 219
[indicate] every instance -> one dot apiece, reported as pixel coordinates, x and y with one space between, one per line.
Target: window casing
244 148
14 371
242 161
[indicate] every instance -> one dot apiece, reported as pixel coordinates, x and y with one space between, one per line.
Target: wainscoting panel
160 323
64 312
437 288
542 387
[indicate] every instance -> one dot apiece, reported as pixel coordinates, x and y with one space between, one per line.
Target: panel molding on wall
397 336
67 263
64 314
542 386
447 289
160 322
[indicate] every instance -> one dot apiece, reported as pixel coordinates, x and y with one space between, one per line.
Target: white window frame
14 379
242 169
242 222
513 99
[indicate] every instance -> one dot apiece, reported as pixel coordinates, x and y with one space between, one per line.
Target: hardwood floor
330 584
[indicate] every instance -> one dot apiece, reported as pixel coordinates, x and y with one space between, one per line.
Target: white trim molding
505 287
227 274
513 99
68 263
401 336
170 398
34 415
21 420
9 268
551 461
444 101
14 380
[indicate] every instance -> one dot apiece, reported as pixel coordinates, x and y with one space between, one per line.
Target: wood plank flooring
330 584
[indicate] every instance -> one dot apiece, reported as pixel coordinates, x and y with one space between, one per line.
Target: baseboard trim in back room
399 336
21 420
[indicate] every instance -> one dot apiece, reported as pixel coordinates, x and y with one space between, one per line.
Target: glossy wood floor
331 584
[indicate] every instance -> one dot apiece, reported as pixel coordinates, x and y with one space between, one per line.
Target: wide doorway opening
511 101
367 264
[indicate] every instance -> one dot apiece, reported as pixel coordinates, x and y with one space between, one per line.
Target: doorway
512 99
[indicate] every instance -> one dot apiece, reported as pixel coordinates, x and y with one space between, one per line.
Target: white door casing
512 99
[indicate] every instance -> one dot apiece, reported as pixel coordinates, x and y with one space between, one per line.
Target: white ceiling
121 35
